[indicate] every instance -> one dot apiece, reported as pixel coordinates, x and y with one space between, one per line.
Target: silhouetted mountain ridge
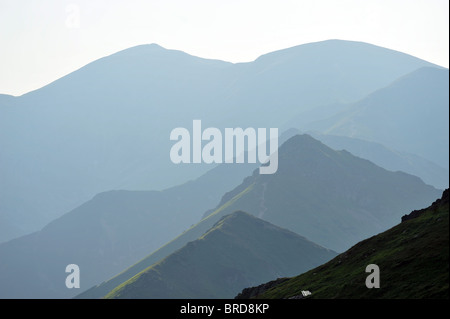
331 197
238 249
409 115
106 126
108 233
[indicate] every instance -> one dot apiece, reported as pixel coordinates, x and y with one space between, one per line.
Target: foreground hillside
413 258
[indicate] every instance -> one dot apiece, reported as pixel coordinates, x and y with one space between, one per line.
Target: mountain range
332 198
412 257
410 115
106 126
388 158
108 233
86 176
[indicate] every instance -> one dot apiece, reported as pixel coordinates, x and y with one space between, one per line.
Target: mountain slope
107 234
106 126
332 196
315 74
410 115
413 258
389 159
101 128
239 249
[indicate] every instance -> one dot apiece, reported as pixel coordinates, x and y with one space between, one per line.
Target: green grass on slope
191 234
413 258
240 250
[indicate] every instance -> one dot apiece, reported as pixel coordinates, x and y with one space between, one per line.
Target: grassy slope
413 258
191 234
239 249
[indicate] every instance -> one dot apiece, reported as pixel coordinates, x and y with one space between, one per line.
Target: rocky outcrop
416 213
252 292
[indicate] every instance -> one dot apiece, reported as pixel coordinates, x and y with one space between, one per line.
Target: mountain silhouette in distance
331 197
388 158
106 126
108 233
119 228
409 115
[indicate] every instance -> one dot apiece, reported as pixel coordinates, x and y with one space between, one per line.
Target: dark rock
416 213
252 292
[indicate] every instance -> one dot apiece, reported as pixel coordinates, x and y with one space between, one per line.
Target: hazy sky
43 40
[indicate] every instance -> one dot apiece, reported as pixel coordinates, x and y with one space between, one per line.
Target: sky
41 41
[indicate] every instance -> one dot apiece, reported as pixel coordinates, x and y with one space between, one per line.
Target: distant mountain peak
422 74
155 45
143 49
339 53
156 50
304 146
238 217
301 139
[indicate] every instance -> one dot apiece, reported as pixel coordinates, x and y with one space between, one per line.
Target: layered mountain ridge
237 250
106 126
330 197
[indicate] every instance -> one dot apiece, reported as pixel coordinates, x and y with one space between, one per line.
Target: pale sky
41 41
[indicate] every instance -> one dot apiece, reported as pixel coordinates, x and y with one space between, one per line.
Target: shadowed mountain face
107 234
238 250
410 115
107 125
389 158
331 197
110 232
412 257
